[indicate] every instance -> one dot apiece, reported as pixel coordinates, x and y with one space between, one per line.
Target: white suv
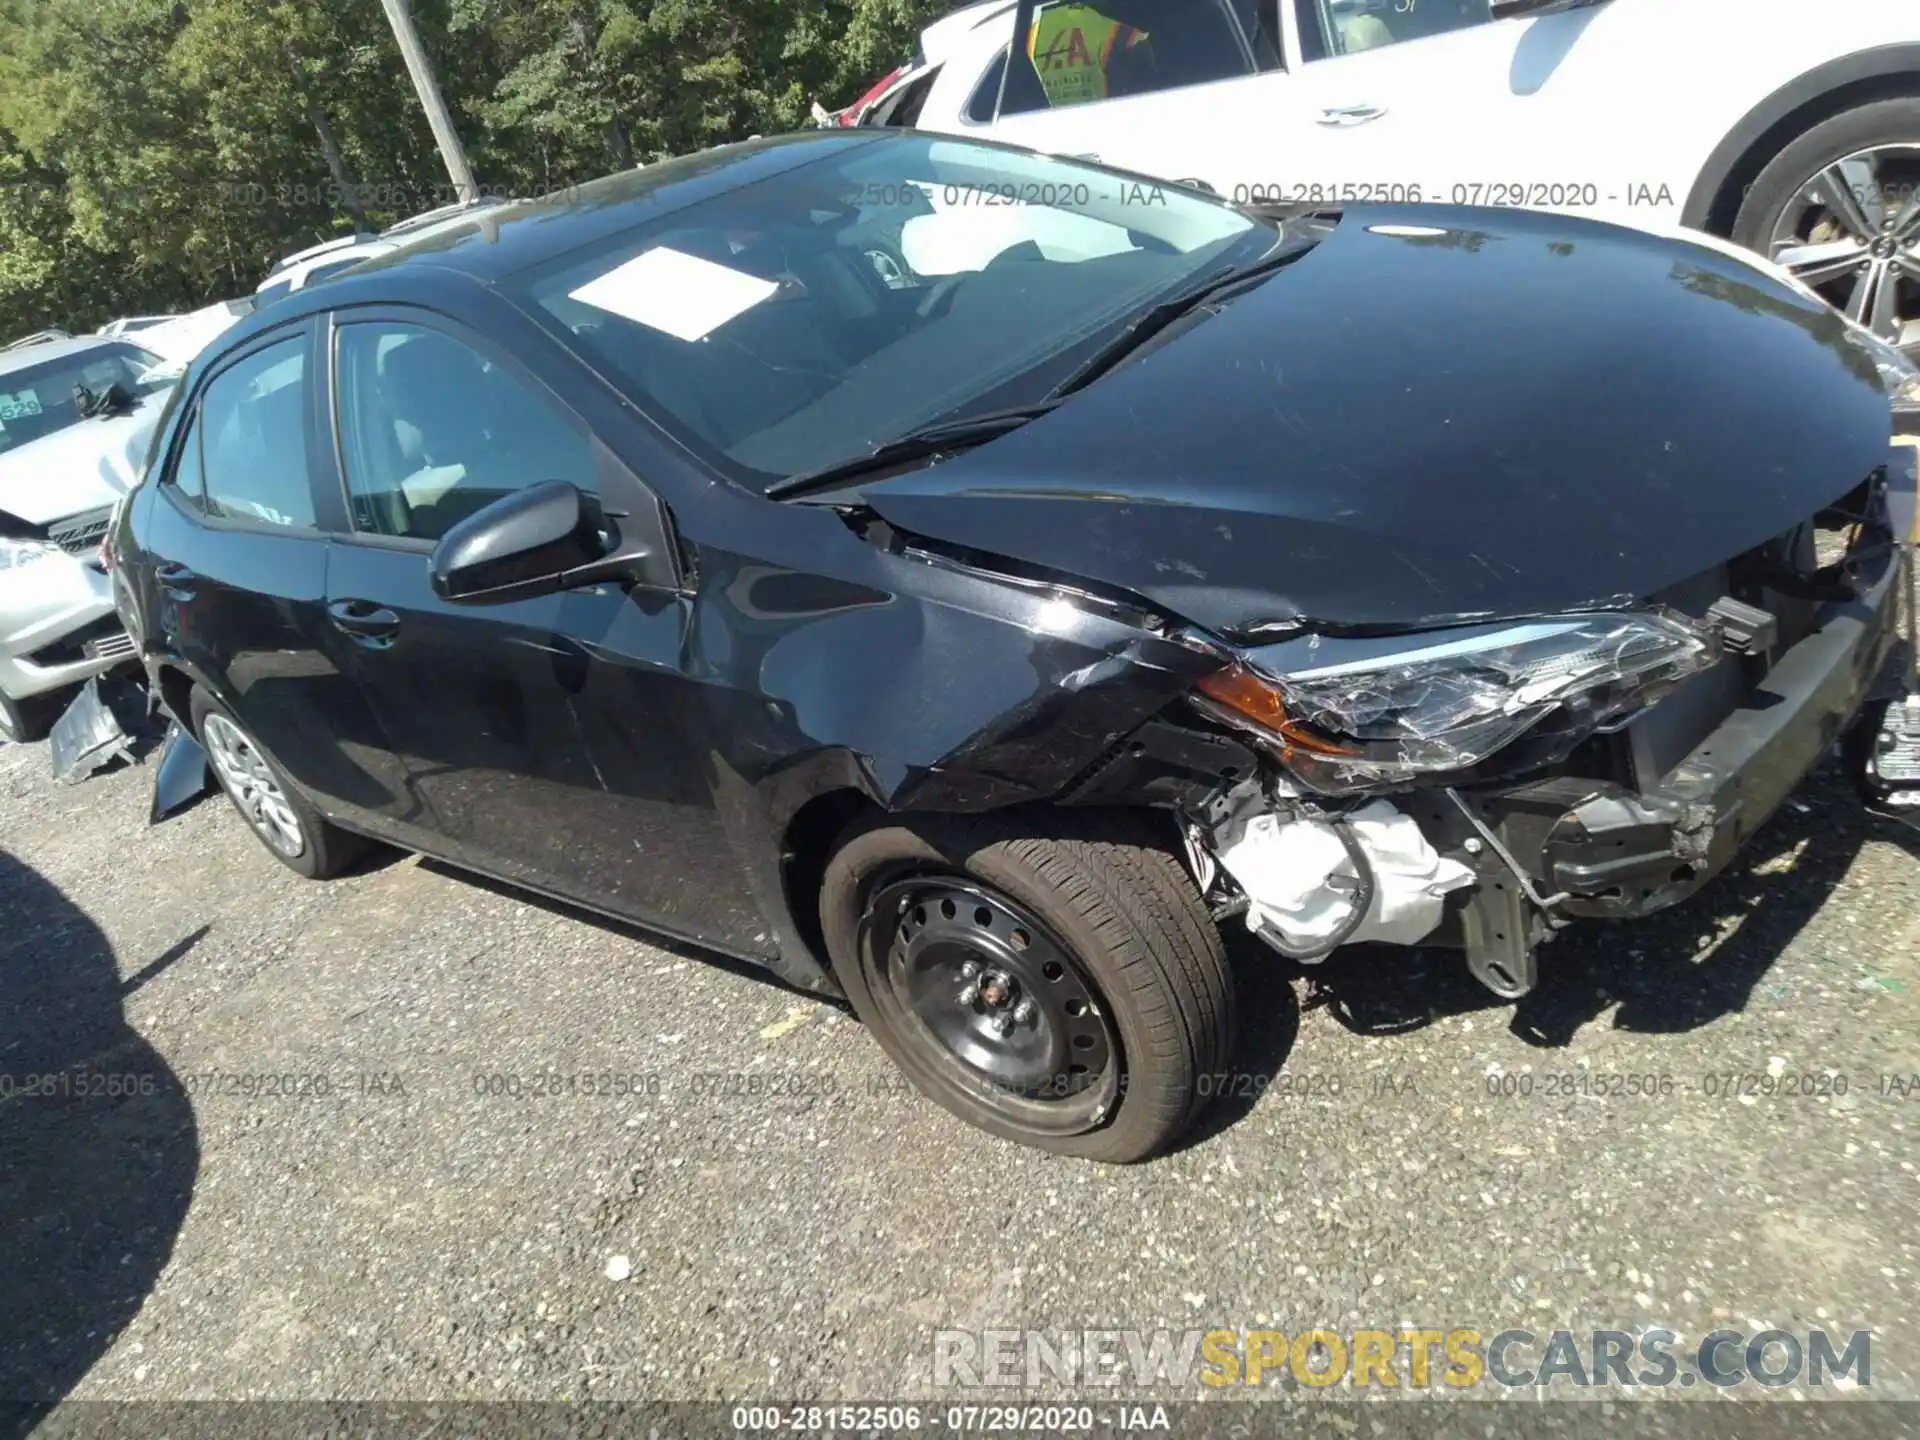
76 416
1790 126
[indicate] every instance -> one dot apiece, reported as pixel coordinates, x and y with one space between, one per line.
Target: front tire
280 817
1054 980
1836 207
22 722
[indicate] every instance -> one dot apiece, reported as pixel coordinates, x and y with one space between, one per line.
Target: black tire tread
34 717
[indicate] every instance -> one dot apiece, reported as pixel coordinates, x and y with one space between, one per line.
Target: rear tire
280 817
22 722
1090 925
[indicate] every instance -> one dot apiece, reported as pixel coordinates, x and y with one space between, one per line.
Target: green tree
163 153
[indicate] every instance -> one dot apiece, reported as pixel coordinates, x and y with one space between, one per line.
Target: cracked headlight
18 554
1452 700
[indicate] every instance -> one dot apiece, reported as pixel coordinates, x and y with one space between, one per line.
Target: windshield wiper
952 436
946 438
1158 317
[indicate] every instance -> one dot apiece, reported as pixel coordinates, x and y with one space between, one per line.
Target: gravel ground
408 1236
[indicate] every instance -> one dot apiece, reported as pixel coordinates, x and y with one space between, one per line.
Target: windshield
804 319
37 400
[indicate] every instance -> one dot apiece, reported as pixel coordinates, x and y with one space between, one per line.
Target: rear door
548 739
1439 101
240 570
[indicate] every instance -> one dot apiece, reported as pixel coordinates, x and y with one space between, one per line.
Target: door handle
1349 115
177 580
364 622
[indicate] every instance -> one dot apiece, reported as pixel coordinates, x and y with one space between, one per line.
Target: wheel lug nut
969 970
969 993
1024 1010
1003 1023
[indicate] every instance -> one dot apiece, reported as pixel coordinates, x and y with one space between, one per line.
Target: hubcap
1852 232
1001 1000
243 771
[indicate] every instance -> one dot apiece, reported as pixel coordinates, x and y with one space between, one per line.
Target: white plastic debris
1302 885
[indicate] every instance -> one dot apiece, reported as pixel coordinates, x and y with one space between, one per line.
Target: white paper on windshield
670 290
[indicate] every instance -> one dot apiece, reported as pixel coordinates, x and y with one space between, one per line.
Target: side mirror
533 542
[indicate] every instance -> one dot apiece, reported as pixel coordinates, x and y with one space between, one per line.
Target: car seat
1362 32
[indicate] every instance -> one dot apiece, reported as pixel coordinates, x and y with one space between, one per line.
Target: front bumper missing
1567 848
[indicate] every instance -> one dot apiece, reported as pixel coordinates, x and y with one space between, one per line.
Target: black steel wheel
1053 979
983 983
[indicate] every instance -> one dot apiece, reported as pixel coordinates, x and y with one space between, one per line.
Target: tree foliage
161 154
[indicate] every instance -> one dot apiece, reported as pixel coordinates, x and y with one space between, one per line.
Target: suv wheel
1840 208
1056 984
286 824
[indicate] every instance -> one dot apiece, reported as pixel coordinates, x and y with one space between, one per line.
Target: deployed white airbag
1302 885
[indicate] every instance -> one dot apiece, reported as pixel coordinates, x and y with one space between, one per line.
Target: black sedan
964 581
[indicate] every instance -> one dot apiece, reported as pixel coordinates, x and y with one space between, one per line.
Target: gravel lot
407 1236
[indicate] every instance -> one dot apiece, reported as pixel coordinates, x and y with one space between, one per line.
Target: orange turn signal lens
1238 689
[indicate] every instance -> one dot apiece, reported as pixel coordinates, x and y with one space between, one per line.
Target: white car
305 267
1792 128
132 324
182 337
66 458
309 266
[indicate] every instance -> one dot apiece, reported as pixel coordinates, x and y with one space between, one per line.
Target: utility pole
431 100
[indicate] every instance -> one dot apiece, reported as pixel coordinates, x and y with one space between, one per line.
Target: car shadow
1668 974
99 1150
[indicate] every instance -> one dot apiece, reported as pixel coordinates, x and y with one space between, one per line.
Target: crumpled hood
1437 415
87 466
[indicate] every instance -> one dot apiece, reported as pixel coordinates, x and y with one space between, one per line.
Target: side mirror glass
532 542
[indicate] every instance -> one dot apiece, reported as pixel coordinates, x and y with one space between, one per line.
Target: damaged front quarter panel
942 713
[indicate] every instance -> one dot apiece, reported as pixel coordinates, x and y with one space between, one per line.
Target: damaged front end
1483 786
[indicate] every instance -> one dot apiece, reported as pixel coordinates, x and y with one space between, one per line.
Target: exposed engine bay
1309 883
1484 787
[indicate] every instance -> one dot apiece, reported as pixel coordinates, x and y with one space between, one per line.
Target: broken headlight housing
1449 702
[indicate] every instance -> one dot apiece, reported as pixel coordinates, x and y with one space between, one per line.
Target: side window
253 441
432 431
1347 27
189 476
1079 54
